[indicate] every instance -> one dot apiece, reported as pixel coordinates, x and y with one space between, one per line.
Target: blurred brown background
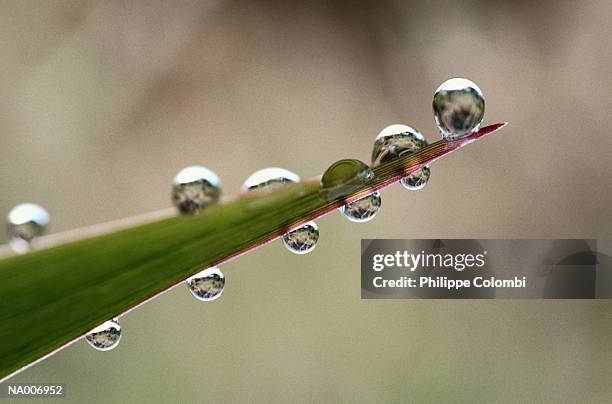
104 101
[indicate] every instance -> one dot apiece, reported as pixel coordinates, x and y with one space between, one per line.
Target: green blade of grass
53 296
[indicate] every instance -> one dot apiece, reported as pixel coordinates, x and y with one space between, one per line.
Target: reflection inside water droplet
106 336
302 240
458 106
398 140
363 209
207 285
417 180
25 222
343 178
194 188
268 178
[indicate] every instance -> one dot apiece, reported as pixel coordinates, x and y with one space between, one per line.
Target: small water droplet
194 188
207 285
398 140
268 178
363 209
417 180
24 222
302 240
458 106
105 336
343 178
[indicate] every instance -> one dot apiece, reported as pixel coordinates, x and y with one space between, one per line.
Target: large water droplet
302 240
343 178
207 285
398 140
105 336
458 106
268 178
363 209
24 222
194 188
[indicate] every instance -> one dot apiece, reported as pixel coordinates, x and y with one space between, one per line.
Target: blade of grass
53 296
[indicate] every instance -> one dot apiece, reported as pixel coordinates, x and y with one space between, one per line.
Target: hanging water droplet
302 240
24 222
194 188
207 285
268 178
417 180
343 178
398 140
105 336
363 209
458 106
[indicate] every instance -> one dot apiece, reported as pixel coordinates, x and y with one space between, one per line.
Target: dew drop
268 178
302 240
417 180
364 209
24 222
343 178
194 188
207 285
105 336
458 106
398 140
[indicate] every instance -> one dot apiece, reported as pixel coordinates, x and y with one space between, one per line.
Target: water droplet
268 178
417 180
302 240
105 336
207 285
363 209
194 188
24 222
458 106
398 140
343 178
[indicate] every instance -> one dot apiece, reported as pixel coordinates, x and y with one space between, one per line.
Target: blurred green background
104 101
